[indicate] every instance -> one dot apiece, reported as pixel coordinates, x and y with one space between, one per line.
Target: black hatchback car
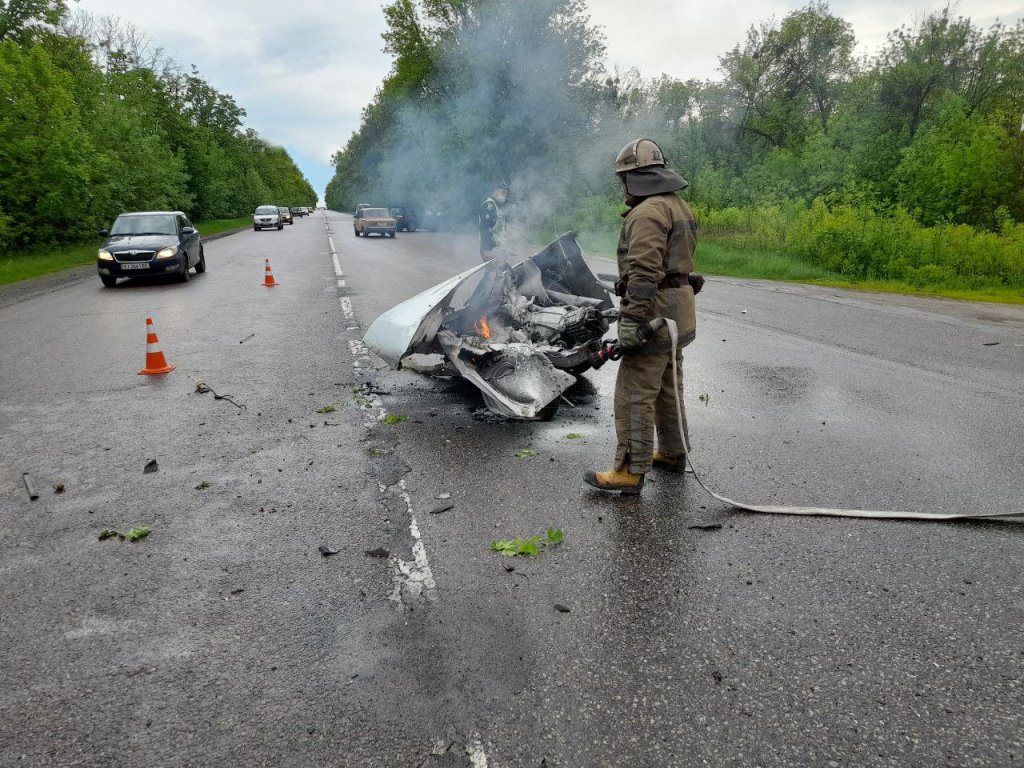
150 243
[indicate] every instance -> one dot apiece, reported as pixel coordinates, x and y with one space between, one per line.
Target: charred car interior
521 334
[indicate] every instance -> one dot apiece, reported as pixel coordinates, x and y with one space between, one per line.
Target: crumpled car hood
544 308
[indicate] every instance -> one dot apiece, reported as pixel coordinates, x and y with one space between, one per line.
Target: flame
482 328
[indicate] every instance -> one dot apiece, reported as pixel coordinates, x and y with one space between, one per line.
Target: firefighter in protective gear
492 222
655 254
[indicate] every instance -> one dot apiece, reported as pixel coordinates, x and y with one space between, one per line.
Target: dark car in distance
406 218
150 243
298 210
286 215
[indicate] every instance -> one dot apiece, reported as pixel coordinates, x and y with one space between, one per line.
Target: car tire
255 229
280 227
109 281
184 276
201 264
391 235
355 231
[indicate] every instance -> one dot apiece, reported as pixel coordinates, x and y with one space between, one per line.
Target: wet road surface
225 637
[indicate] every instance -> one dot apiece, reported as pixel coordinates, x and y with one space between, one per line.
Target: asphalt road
225 637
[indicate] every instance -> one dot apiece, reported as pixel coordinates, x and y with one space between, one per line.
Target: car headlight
105 256
167 253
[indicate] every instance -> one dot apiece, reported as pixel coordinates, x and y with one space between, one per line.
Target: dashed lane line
414 580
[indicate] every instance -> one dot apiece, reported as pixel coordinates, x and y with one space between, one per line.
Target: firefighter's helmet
640 153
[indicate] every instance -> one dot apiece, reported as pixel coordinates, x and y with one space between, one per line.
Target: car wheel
201 264
355 231
183 276
255 228
391 234
108 280
280 227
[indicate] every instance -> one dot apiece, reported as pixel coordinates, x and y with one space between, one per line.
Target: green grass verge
22 266
727 259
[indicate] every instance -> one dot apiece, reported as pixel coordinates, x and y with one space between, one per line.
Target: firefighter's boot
618 479
675 464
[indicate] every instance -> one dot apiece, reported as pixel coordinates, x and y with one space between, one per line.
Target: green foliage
395 418
88 130
528 547
137 533
525 453
326 409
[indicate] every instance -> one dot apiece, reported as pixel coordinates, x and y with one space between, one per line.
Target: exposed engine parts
520 333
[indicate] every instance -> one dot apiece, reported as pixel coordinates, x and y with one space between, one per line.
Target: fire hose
614 352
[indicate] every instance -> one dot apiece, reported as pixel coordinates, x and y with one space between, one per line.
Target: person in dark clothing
492 222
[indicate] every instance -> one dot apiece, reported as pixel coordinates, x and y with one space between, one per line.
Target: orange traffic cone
269 279
155 361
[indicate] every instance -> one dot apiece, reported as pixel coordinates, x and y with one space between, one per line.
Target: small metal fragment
151 466
327 551
32 493
379 552
562 608
441 508
250 336
705 527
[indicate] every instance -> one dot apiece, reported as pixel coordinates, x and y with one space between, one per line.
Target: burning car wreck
521 334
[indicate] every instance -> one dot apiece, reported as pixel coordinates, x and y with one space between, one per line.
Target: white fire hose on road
774 509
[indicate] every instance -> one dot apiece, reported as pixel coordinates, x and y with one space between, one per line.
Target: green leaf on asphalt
394 418
108 534
530 547
573 436
326 409
376 451
202 486
137 533
525 453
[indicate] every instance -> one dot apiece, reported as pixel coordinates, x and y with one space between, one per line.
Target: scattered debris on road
326 409
32 493
151 467
394 418
58 488
441 508
990 344
133 535
202 486
250 336
443 496
327 551
525 453
202 388
562 608
379 552
705 527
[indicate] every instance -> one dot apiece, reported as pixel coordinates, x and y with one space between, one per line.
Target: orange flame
482 328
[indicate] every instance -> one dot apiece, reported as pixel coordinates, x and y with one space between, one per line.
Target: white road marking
341 283
346 308
331 241
414 580
337 266
475 751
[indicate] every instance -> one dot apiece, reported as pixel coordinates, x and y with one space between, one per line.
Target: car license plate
137 265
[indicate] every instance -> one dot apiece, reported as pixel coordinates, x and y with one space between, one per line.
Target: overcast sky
303 70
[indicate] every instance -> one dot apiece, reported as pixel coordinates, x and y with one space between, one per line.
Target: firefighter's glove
632 333
696 282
